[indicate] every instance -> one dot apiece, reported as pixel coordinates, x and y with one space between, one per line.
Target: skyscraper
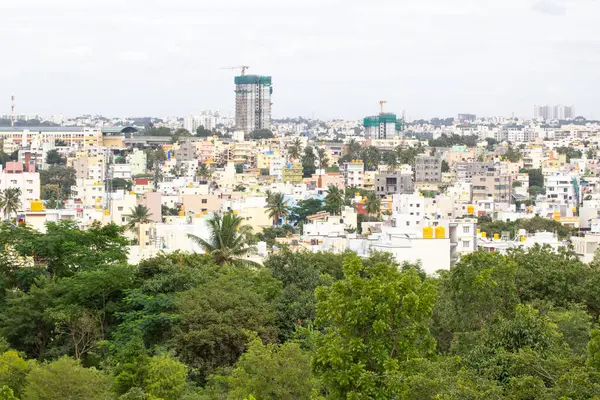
554 112
253 102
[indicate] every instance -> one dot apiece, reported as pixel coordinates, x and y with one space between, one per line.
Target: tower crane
381 103
242 67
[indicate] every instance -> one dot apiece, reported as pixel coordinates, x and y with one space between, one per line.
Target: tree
66 379
10 201
261 134
308 162
180 133
204 172
277 207
390 159
373 204
368 323
164 377
295 149
371 157
353 149
228 241
272 371
535 177
203 132
216 316
322 158
334 201
123 184
591 154
13 372
512 155
63 177
53 157
138 215
445 166
152 130
304 208
569 152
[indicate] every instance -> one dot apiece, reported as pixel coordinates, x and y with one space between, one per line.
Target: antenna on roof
12 110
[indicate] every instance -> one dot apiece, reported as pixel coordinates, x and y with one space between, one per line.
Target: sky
328 58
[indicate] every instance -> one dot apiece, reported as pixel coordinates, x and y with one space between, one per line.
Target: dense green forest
77 322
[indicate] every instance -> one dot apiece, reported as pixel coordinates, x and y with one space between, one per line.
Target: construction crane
381 103
243 67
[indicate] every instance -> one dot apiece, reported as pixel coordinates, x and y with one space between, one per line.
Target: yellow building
292 173
113 142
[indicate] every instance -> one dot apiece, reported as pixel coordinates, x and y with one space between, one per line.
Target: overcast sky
333 58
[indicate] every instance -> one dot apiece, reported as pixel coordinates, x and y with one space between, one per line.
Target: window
466 244
122 219
466 229
120 208
204 201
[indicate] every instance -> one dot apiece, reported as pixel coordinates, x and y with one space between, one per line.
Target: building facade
428 168
253 102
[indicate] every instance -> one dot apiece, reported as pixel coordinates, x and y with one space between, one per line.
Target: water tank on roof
428 232
470 210
440 232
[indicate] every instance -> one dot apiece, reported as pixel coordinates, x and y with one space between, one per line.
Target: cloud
550 8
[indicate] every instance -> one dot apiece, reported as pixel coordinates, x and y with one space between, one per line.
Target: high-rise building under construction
253 102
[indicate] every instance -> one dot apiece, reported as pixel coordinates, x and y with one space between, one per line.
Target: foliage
308 162
62 177
569 152
512 155
272 372
454 140
229 241
334 201
531 225
535 177
371 320
65 379
261 134
277 207
10 201
152 130
13 371
304 208
165 378
322 158
53 157
295 149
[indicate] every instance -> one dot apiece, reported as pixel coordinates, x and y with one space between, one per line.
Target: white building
354 173
137 161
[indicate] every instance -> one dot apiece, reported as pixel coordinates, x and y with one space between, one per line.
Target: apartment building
18 175
354 172
389 183
492 185
466 170
428 168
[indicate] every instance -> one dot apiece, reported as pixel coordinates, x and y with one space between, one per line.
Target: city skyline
440 58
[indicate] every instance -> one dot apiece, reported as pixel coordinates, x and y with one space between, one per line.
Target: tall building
382 126
253 102
554 112
467 117
428 168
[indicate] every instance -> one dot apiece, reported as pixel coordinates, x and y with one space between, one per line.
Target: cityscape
250 248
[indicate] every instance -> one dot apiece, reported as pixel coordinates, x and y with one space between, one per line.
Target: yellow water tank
428 232
107 212
496 236
36 206
478 231
556 215
440 232
197 215
483 235
523 238
574 209
235 212
131 192
181 213
470 210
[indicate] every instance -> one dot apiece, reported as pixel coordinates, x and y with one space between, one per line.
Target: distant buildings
253 102
382 126
546 112
467 117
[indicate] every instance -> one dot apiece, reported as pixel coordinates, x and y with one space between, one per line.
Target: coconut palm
229 240
277 207
10 201
334 199
391 161
373 204
353 148
204 172
322 158
295 149
138 215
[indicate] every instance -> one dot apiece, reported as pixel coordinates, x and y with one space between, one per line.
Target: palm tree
277 207
322 157
334 199
204 172
139 215
295 149
353 148
373 204
229 240
391 161
10 201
